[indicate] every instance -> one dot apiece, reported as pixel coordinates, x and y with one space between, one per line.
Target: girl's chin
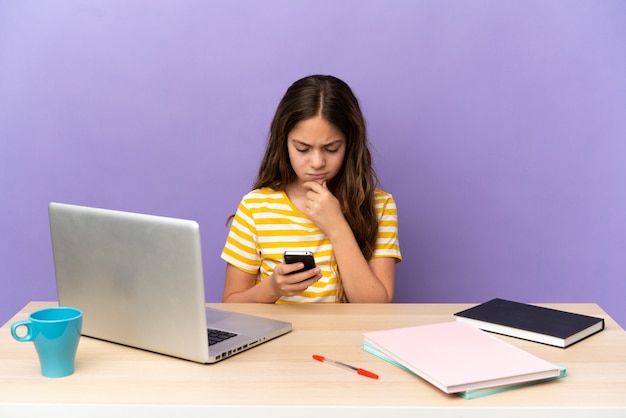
318 181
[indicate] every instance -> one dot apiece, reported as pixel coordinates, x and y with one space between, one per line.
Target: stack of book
459 358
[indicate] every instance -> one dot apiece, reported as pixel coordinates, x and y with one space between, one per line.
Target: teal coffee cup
55 333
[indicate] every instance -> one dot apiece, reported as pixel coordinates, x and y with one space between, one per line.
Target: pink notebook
457 357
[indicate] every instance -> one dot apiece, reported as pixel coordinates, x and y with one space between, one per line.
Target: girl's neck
297 195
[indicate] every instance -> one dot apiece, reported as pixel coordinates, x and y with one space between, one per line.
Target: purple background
499 127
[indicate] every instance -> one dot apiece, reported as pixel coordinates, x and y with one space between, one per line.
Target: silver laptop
138 280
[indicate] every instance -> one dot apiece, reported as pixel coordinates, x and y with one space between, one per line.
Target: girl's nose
317 160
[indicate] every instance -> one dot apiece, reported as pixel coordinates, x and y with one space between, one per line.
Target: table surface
282 373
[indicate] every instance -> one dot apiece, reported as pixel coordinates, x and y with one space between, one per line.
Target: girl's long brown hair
354 185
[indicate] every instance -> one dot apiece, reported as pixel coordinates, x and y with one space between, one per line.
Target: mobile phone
305 257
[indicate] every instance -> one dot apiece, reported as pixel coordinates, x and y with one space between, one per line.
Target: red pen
359 370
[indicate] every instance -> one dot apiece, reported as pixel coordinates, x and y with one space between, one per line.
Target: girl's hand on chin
322 206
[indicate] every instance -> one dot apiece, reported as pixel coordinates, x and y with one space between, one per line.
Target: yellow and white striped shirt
267 224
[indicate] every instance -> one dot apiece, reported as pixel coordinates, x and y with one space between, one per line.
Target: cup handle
25 338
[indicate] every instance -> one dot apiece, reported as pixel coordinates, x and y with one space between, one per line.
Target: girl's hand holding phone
295 273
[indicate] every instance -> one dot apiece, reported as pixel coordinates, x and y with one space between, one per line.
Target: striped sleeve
387 240
241 249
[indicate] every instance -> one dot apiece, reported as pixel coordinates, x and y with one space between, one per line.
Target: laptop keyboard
217 335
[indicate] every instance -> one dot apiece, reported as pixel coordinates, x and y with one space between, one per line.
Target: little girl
316 191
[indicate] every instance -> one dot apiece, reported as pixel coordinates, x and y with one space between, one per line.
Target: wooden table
280 379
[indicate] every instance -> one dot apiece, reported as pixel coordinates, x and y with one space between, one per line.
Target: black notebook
531 322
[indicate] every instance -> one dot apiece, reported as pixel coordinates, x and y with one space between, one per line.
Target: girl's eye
332 150
303 150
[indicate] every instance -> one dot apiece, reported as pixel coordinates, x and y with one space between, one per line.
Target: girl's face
316 150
